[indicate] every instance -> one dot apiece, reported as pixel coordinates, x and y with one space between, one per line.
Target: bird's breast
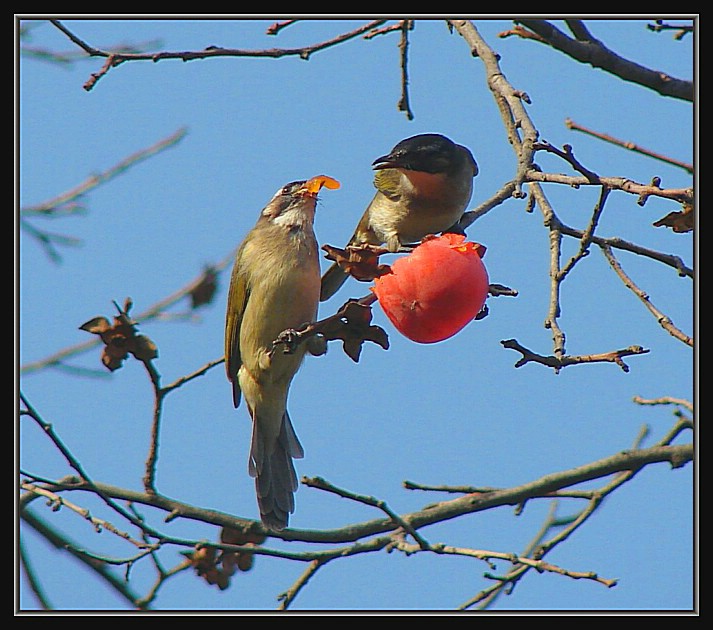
425 204
284 286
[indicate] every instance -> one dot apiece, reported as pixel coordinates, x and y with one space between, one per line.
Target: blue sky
456 412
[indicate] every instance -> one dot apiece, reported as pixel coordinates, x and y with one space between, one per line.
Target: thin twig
66 203
74 462
559 362
276 27
322 484
565 494
662 319
567 154
152 312
404 105
50 206
628 145
532 563
538 548
588 234
98 524
642 191
291 593
62 543
113 59
149 478
664 400
555 236
659 26
615 242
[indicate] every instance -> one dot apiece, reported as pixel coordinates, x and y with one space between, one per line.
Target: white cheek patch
293 216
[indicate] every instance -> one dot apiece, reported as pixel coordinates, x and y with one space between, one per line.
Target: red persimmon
433 292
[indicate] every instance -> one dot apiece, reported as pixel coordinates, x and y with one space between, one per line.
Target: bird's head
297 200
427 153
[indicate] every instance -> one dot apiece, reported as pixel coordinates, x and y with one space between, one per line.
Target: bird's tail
332 280
275 476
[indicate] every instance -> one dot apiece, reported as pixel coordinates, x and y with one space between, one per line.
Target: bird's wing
387 182
237 300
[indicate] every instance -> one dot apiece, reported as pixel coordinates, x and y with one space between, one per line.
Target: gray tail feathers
274 473
332 280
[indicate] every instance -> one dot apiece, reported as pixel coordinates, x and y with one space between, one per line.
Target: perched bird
423 186
274 286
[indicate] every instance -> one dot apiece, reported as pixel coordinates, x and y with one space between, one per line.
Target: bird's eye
287 189
290 188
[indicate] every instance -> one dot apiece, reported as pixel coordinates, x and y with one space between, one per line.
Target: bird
423 186
274 286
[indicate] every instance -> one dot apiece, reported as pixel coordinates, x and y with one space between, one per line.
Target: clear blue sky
457 412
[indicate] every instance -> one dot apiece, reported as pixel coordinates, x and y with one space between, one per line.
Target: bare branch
539 547
539 565
681 195
619 243
559 362
664 400
154 311
588 234
62 543
290 594
570 124
66 203
113 59
56 204
595 53
681 30
626 461
662 319
404 105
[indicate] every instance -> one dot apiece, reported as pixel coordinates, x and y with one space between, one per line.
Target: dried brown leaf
204 291
353 327
679 222
242 560
205 564
359 261
121 338
96 326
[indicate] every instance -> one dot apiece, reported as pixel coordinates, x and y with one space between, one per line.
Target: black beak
385 161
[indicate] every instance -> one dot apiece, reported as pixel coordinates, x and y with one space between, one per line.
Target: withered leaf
205 564
97 326
353 326
359 261
242 560
679 222
231 536
121 338
114 354
204 291
351 323
144 349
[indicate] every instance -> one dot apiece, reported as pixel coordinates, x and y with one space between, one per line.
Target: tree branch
596 54
570 124
113 59
632 460
67 203
662 319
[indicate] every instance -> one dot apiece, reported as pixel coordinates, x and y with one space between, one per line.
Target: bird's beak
385 161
